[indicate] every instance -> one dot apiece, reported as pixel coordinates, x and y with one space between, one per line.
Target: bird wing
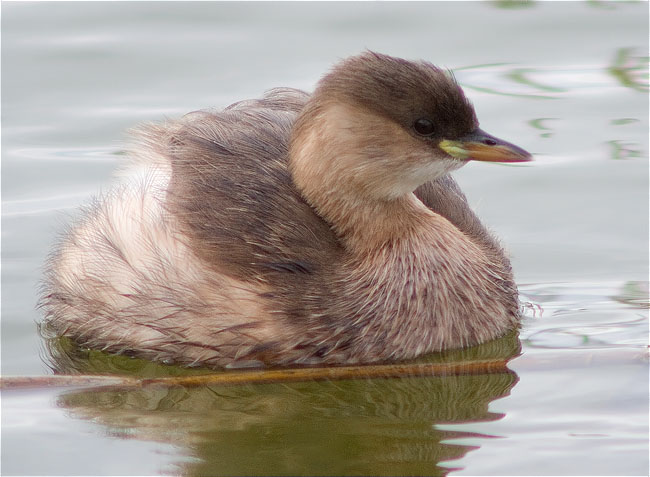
233 194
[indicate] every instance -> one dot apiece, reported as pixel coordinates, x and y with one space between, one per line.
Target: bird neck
343 162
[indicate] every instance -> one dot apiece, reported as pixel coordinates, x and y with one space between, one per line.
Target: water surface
567 81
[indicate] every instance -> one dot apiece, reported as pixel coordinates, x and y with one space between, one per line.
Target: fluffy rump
125 278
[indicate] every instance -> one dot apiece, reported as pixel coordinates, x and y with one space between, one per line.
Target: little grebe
294 229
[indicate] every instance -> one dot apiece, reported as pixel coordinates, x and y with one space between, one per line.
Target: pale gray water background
567 81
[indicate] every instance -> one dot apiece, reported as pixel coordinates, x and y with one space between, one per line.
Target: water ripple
555 82
589 315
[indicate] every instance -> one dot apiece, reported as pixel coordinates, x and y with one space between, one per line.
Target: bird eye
423 126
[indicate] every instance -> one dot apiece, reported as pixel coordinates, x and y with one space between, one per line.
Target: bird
293 229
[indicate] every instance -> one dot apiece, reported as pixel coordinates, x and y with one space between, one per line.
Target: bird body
294 229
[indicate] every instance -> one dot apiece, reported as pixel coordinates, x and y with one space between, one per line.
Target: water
567 81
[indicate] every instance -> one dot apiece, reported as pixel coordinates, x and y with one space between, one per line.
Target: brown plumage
285 230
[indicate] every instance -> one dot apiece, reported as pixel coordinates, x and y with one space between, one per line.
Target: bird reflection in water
346 427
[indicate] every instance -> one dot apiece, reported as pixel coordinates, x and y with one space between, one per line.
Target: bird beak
481 146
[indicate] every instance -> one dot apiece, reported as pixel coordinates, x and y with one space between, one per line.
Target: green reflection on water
601 4
624 150
346 427
519 75
634 293
624 121
631 71
513 4
537 124
503 93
